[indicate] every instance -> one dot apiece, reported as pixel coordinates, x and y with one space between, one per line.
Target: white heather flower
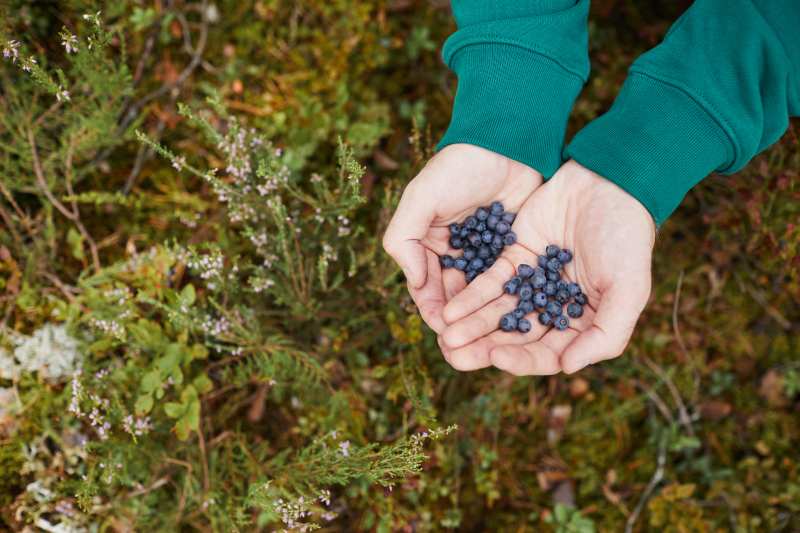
62 95
178 163
344 448
11 50
27 65
50 351
69 42
316 178
92 18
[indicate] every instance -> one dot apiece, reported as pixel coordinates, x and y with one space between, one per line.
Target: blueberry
509 217
518 313
492 221
552 250
470 222
456 242
525 291
545 319
481 227
540 300
489 261
561 323
575 310
460 264
471 275
497 242
487 236
446 261
581 299
483 269
474 239
554 265
561 295
553 308
512 286
455 228
542 261
550 288
464 232
470 253
574 289
484 252
502 228
538 281
477 264
526 306
553 275
482 213
523 325
497 208
538 271
508 322
561 285
509 238
565 256
524 271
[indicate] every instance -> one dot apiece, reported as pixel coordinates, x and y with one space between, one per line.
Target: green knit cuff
657 141
512 101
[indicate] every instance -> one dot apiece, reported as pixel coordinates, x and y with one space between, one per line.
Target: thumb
409 225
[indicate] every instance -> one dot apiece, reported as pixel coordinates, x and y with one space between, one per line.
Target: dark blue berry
553 308
455 228
470 222
482 213
492 221
481 227
509 217
565 256
464 232
575 310
497 242
525 271
540 300
508 322
456 242
518 313
542 261
561 285
470 253
483 269
487 236
538 271
460 264
550 288
497 208
554 265
446 261
474 239
545 319
471 275
509 238
484 252
526 291
502 228
552 250
561 323
581 299
512 286
523 325
561 295
553 275
489 261
476 264
574 289
526 305
538 281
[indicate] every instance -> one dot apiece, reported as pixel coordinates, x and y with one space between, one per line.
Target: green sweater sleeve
718 90
520 65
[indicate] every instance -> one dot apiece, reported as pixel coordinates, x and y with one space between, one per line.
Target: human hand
454 183
611 236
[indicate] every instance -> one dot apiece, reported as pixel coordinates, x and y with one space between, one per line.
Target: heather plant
199 330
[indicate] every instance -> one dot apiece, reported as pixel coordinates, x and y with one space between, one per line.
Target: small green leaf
75 241
174 410
203 384
151 381
188 295
144 404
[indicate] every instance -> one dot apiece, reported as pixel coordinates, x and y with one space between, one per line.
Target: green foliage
203 215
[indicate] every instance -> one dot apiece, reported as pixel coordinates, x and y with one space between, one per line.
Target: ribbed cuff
512 101
656 142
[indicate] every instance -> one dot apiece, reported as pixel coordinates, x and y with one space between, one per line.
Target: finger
438 240
607 337
534 359
454 283
430 298
408 227
480 323
472 357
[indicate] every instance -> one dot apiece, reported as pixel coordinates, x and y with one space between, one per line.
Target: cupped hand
454 183
611 236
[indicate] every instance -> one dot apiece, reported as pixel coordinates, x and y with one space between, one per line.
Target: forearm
520 65
717 91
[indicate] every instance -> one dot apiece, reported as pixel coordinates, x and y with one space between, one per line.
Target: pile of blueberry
542 289
482 237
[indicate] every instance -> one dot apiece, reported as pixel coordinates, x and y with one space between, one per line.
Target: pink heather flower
70 42
11 50
62 95
344 448
178 163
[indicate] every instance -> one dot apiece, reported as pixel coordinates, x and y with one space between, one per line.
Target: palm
454 183
611 237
